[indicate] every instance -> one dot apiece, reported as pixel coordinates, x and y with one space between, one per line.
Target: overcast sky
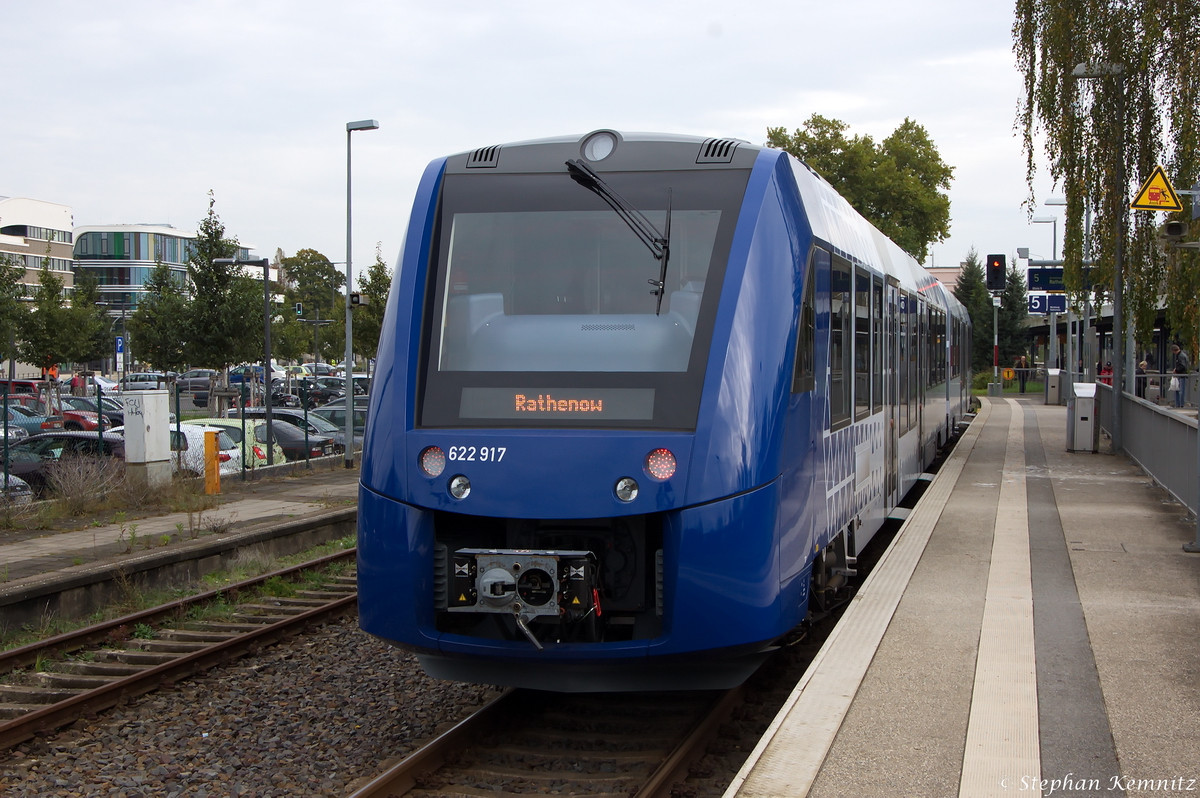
130 112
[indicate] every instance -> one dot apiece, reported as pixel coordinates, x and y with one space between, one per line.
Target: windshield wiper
659 243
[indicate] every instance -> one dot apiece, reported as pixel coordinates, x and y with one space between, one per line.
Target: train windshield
542 297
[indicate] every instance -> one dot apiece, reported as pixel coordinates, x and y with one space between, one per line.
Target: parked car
195 380
317 394
23 386
291 439
114 412
29 458
17 492
317 426
339 384
143 381
33 422
317 369
335 414
255 454
188 441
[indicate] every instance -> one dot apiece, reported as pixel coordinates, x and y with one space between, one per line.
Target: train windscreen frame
540 310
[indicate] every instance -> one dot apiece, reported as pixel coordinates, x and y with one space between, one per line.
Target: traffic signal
299 308
996 269
357 299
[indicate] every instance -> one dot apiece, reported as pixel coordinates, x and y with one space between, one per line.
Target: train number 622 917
483 454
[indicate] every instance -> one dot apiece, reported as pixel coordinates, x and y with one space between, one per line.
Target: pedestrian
1140 380
1022 369
1106 374
1180 365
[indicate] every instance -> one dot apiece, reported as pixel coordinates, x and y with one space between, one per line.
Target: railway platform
1033 630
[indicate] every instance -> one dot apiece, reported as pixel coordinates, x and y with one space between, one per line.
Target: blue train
641 400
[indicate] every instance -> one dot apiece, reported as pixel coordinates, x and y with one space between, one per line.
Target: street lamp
364 124
1089 71
266 267
121 358
1054 221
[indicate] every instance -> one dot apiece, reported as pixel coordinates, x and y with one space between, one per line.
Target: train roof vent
484 157
717 151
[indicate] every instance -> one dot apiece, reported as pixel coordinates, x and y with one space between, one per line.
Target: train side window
840 315
902 365
805 373
876 345
862 344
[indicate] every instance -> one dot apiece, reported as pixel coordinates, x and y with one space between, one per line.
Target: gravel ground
304 718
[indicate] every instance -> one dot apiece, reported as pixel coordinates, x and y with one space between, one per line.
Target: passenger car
571 483
143 381
30 458
195 380
188 442
253 455
33 422
318 427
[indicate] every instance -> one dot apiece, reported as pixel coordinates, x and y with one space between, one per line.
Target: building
946 275
122 257
33 230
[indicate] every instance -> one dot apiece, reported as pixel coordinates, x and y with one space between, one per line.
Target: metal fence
1159 439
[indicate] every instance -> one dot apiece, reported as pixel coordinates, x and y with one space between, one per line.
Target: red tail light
317 452
224 458
52 423
259 453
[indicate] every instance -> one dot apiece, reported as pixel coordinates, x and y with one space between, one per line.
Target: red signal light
661 464
432 461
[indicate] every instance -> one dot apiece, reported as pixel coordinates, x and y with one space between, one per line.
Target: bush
82 482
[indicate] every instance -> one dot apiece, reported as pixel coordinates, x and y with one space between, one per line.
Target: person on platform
1180 365
1140 380
1106 374
1021 366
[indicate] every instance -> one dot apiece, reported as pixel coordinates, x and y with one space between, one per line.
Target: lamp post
121 358
1054 221
364 124
1088 71
265 263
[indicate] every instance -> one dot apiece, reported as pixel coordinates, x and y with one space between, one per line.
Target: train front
553 494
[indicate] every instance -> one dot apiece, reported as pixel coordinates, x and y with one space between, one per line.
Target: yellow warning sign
462 596
1009 374
1157 194
575 600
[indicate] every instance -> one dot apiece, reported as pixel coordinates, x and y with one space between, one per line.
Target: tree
315 282
971 290
368 319
224 323
12 309
897 185
42 341
1014 310
159 325
89 330
1154 45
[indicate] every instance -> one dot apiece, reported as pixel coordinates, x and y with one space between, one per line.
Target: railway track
53 682
600 745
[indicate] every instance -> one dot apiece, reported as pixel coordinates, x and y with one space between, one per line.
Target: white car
189 443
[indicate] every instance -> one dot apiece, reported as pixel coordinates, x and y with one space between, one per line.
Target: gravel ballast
305 717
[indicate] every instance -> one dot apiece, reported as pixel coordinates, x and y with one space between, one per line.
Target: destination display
1046 280
626 404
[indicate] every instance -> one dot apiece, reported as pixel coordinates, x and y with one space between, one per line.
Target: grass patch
248 564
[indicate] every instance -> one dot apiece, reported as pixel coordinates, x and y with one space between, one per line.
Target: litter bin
1054 386
1083 428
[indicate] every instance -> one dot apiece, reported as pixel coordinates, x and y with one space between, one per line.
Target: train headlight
432 461
460 487
660 464
599 146
626 489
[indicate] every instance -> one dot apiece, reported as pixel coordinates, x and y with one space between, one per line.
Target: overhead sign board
1157 194
1046 280
1041 304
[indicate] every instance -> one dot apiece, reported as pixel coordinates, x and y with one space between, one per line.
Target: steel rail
52 716
402 777
91 635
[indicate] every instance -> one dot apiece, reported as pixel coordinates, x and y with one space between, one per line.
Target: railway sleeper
31 694
463 791
165 646
118 669
325 595
617 782
596 763
13 711
75 681
263 619
194 636
148 658
220 626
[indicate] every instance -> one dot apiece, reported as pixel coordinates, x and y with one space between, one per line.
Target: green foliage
368 319
897 184
43 334
313 280
1014 310
142 631
1154 44
971 290
12 309
224 323
89 330
159 325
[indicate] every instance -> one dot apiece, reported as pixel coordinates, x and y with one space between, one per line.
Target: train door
922 354
891 363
